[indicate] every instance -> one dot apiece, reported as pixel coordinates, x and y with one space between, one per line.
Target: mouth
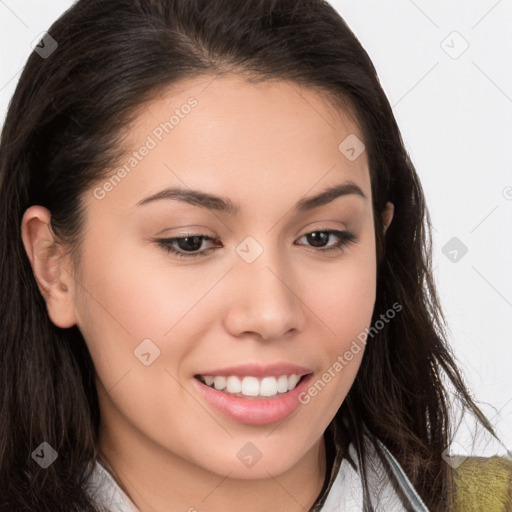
252 387
252 394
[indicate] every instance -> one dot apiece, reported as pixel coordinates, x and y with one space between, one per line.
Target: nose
263 301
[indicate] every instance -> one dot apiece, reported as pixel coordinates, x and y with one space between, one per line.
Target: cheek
131 292
349 299
126 300
346 299
345 305
346 310
122 302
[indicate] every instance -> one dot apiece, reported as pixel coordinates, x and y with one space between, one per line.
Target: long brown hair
61 134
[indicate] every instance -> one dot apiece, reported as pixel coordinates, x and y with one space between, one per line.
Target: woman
217 290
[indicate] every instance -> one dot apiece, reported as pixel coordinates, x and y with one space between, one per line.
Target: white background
455 114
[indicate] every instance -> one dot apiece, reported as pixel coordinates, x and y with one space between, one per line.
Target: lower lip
254 410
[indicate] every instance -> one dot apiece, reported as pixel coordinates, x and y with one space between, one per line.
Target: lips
254 394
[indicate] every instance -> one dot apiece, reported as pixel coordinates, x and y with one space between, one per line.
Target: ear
387 215
48 265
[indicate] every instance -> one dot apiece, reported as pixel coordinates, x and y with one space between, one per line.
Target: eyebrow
225 205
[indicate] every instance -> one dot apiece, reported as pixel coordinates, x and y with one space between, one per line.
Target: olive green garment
483 485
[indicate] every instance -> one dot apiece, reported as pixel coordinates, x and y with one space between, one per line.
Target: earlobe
387 215
47 261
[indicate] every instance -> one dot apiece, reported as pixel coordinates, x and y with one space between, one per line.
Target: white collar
105 491
346 493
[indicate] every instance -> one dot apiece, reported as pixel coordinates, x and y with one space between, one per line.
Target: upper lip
259 370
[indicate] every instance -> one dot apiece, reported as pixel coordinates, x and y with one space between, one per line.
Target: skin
264 146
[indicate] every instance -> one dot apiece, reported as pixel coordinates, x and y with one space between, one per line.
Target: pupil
190 243
316 237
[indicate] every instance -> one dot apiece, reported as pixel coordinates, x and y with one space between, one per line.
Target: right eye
185 245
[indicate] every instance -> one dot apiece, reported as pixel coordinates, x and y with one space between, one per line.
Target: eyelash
345 238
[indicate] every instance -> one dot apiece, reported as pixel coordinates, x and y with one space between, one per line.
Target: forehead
251 139
247 104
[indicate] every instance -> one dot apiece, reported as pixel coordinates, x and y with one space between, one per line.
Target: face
252 289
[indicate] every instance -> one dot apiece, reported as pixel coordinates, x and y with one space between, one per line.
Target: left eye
188 245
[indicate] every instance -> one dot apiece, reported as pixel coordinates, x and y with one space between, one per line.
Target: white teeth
292 381
268 386
252 386
282 384
219 382
233 385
